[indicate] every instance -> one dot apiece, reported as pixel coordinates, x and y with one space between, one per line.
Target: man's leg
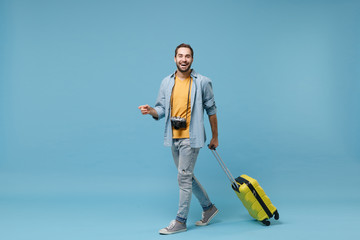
185 159
184 166
209 210
201 194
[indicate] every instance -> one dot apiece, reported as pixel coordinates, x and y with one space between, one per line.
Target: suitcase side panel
251 203
262 194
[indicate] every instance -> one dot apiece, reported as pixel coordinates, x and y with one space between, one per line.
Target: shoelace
172 224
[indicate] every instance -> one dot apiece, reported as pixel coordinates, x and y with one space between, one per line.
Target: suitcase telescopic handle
223 166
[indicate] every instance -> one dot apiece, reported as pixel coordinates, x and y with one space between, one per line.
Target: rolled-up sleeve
208 97
160 103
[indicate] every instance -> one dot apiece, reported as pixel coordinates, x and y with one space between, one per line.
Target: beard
181 69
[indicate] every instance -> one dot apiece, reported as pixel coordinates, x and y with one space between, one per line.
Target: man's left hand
214 143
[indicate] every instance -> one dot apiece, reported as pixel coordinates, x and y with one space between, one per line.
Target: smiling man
182 99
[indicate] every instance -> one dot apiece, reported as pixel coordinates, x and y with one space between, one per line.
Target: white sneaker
174 227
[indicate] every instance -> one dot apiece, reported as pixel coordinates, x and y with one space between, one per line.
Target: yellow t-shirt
180 100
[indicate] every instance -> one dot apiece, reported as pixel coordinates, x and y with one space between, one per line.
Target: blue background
78 161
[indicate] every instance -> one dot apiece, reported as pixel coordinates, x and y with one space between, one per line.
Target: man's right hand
145 109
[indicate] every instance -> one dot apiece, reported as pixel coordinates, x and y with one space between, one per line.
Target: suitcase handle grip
223 166
211 148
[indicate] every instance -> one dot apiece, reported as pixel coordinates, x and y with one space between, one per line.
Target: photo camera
178 122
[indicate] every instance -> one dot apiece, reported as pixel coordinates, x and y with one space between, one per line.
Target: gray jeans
185 159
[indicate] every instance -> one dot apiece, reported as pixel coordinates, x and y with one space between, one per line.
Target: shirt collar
193 74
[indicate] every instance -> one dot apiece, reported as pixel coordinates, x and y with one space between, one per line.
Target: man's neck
183 75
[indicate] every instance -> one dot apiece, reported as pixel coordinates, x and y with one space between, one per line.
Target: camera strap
188 100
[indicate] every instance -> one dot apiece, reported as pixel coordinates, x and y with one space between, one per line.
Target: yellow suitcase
254 199
251 195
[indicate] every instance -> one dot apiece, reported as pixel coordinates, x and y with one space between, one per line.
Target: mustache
179 68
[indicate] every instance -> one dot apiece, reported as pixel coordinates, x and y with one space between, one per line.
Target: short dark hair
183 45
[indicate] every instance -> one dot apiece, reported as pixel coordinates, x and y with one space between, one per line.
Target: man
182 99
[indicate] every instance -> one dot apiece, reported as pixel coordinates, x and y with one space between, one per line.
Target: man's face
183 59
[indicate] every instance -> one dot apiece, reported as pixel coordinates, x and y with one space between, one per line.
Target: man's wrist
153 113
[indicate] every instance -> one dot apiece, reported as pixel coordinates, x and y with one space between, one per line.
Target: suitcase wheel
276 215
266 222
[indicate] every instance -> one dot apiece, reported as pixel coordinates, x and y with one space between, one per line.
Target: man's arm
146 109
214 143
